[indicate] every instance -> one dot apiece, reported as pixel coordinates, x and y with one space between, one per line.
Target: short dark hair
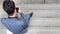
9 7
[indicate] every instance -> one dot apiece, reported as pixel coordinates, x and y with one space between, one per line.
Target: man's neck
12 16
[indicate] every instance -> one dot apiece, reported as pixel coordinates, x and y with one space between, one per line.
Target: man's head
9 7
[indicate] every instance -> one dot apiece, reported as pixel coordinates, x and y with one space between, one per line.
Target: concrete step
37 1
42 22
39 10
41 18
45 22
51 1
2 31
34 1
43 31
30 1
44 13
38 13
39 6
38 30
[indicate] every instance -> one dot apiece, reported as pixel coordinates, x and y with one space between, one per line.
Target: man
12 23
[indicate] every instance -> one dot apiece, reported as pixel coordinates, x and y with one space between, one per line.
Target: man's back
16 25
13 24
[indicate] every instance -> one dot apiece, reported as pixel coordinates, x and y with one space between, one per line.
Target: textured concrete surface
39 6
30 1
34 1
59 1
51 1
3 31
37 1
43 31
46 18
44 13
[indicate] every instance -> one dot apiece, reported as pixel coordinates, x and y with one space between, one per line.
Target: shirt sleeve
22 15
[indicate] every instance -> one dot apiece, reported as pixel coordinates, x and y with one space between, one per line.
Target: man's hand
19 11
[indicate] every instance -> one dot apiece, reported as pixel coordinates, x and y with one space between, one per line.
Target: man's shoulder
2 19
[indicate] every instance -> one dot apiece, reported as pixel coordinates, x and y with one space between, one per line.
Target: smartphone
17 9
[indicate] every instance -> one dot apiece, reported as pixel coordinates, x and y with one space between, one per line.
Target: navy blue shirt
15 25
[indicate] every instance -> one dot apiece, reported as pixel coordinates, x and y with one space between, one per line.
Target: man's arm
22 14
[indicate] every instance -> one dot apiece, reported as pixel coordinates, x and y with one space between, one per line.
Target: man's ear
15 11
